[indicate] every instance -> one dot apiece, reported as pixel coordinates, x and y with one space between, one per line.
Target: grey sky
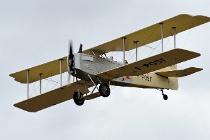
37 31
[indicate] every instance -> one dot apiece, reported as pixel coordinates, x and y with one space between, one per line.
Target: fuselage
91 65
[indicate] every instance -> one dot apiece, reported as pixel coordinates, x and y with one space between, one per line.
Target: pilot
126 62
111 58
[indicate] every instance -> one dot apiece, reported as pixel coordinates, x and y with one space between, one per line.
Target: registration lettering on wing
156 62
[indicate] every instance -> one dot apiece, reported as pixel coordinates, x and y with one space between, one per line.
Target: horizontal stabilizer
150 64
53 97
179 73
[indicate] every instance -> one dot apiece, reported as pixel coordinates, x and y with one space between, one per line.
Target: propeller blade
80 49
71 55
70 59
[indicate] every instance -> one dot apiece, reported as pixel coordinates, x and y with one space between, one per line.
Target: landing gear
165 97
78 98
104 90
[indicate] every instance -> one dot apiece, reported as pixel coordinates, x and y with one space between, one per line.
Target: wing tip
28 109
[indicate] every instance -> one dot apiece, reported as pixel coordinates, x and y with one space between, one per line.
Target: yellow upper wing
150 34
47 70
144 36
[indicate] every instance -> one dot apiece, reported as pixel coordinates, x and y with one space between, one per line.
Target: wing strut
27 79
174 28
61 72
136 42
40 83
27 76
162 34
124 38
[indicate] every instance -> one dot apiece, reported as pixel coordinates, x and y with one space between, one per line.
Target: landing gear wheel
104 90
78 98
165 97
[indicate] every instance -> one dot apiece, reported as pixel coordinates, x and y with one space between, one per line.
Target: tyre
78 98
165 97
104 90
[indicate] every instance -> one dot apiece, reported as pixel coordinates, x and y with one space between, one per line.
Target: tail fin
152 80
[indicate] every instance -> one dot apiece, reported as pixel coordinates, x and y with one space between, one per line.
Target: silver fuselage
89 65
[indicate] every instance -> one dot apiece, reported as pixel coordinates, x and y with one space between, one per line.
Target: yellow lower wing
53 97
150 64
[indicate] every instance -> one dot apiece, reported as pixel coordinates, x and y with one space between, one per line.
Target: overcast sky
36 31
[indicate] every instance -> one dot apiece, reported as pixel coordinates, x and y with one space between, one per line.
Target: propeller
71 58
80 49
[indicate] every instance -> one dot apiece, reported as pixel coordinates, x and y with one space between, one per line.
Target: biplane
94 70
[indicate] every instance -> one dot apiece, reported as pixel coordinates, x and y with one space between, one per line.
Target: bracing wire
186 38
